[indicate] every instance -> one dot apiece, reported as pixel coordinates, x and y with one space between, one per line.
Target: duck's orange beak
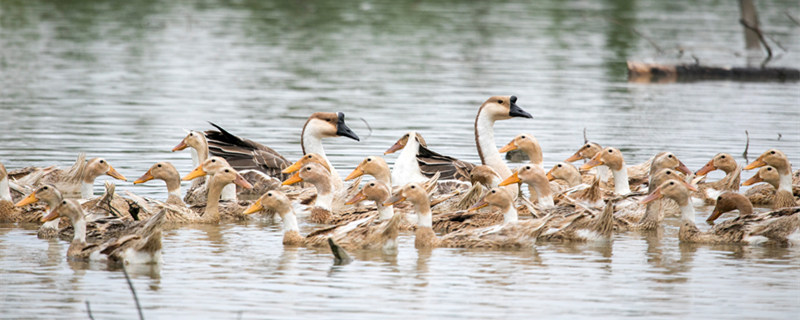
357 172
146 177
706 169
360 196
395 147
50 216
31 198
197 172
550 176
652 197
753 180
689 186
180 146
295 178
509 147
756 164
394 199
714 214
575 157
116 175
256 206
481 204
294 167
514 178
683 168
242 182
596 161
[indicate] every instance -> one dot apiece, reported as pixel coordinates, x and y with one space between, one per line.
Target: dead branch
133 291
793 19
760 38
585 140
746 146
89 310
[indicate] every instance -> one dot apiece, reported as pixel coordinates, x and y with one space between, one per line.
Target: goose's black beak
516 111
343 130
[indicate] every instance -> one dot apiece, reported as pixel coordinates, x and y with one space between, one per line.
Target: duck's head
502 108
328 125
526 142
668 160
227 175
306 159
730 201
47 193
312 172
677 190
485 175
195 139
666 174
497 197
67 208
210 166
403 141
586 151
530 174
371 165
374 190
564 171
610 157
272 200
774 158
162 171
766 174
722 161
99 166
412 192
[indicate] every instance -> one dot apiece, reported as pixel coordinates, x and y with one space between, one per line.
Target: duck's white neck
602 172
324 200
546 201
510 215
621 185
87 190
80 231
290 221
5 193
490 156
687 212
384 212
786 182
424 218
312 143
406 168
229 192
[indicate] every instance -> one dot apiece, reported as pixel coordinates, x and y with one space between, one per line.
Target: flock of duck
445 201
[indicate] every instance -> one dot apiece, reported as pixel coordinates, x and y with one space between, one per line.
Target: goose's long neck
487 150
510 214
384 212
5 193
212 206
425 219
312 143
621 185
406 166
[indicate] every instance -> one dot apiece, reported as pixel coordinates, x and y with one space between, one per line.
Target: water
120 80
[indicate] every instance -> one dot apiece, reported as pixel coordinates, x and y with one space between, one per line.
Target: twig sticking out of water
133 291
746 146
340 256
757 30
793 19
779 136
89 310
585 140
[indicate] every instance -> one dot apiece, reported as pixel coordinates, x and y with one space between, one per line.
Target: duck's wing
245 154
450 168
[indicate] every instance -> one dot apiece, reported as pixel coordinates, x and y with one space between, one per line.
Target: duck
137 245
781 198
589 150
494 109
417 163
318 175
528 144
612 158
374 166
567 180
776 227
214 211
377 191
78 181
514 233
8 211
630 214
709 191
198 144
166 172
365 233
52 197
258 182
778 160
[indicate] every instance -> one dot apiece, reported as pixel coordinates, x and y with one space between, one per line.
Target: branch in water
746 146
760 38
133 291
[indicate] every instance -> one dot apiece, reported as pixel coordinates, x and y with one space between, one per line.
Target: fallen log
651 72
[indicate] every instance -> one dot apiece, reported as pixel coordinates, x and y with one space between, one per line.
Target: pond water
121 80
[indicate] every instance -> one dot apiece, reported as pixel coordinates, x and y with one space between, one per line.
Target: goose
781 197
417 163
494 109
779 226
709 191
138 245
364 233
513 233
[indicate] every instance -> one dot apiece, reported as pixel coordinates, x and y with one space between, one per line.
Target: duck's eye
44 188
500 101
722 157
719 198
587 146
413 187
772 152
671 183
191 134
102 161
610 151
213 160
226 170
309 156
668 172
522 137
269 194
159 166
369 159
372 184
494 191
527 167
769 169
669 156
64 202
559 165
